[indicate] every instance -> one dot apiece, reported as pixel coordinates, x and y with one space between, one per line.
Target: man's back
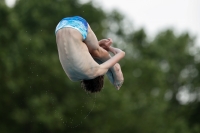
74 55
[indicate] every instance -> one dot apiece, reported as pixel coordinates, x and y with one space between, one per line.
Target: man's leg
94 48
114 74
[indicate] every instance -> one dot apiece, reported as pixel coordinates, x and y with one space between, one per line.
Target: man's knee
100 53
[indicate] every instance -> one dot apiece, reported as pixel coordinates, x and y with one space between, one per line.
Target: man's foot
118 76
115 76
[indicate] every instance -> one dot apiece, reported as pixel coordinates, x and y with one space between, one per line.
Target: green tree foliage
37 96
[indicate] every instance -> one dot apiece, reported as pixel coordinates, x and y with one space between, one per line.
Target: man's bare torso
74 55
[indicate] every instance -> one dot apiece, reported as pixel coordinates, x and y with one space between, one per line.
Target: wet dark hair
93 85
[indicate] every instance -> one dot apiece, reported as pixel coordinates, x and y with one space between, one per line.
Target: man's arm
114 73
101 53
118 55
99 50
104 67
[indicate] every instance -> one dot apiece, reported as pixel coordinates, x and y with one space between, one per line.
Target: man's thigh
91 40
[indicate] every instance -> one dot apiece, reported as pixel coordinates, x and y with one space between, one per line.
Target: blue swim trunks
75 22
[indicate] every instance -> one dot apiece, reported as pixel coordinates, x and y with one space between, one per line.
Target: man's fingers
110 40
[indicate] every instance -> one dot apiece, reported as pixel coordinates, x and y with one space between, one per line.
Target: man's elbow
122 53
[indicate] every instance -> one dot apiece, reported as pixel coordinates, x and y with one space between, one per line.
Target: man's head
93 85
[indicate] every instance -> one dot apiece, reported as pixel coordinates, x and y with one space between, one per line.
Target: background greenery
36 96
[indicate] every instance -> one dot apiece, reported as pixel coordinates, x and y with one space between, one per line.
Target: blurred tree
33 81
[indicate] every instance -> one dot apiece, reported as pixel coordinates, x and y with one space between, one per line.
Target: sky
156 15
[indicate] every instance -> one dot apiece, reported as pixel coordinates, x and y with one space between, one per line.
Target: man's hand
105 43
118 76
